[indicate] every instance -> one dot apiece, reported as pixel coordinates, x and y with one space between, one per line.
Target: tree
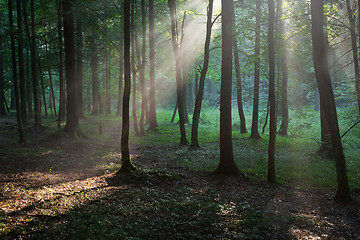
142 69
255 117
179 82
94 77
152 112
200 92
227 163
272 137
14 72
37 109
79 65
327 100
121 79
61 70
21 62
239 88
127 165
134 70
284 69
72 118
2 83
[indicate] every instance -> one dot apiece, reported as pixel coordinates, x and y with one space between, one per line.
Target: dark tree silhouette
271 150
255 117
152 112
227 163
327 99
127 165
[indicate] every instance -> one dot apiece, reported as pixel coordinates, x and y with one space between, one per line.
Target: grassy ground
57 188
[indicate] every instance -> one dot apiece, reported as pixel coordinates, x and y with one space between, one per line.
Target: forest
179 119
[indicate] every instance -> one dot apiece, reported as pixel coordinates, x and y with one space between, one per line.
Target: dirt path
41 182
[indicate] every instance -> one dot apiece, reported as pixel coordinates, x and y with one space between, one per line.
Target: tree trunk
134 105
51 82
255 119
239 88
37 109
62 102
72 117
42 84
121 79
152 113
2 97
141 78
327 100
94 77
79 66
271 150
14 72
144 103
284 69
200 92
23 106
227 163
127 165
179 84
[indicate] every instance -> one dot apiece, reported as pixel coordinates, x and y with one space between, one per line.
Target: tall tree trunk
142 85
108 86
134 104
284 69
239 88
179 83
127 165
152 112
28 84
327 99
255 118
42 84
14 72
351 17
144 98
62 102
227 163
72 117
94 77
2 96
271 150
200 92
51 82
37 109
121 79
21 63
79 66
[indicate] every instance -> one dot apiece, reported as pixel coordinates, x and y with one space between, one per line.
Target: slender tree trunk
271 150
327 99
51 82
108 85
42 84
200 92
2 96
141 77
121 79
174 112
284 69
255 119
351 17
144 103
15 78
37 109
62 102
179 84
134 105
79 66
21 63
239 88
72 118
227 163
28 84
94 77
127 165
152 112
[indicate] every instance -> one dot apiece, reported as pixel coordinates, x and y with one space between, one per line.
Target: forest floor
57 188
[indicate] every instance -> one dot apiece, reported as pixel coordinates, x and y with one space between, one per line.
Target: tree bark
152 113
127 165
134 105
255 118
271 149
142 69
239 88
327 99
94 77
121 79
79 66
200 92
62 102
72 118
23 106
37 109
14 72
227 163
179 83
2 96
